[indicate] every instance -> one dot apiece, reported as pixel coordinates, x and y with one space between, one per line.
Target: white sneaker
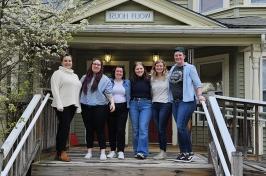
103 156
160 156
111 154
88 155
121 155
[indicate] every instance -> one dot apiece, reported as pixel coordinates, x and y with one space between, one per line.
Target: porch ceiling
149 37
120 46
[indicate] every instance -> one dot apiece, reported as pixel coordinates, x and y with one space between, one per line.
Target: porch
133 167
29 148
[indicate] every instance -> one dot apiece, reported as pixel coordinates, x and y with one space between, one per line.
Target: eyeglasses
96 64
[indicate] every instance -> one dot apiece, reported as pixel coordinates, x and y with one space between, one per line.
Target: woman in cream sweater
65 87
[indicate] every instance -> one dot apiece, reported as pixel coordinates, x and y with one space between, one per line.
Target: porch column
255 68
256 57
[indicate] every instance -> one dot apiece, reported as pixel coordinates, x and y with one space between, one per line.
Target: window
258 1
264 80
208 5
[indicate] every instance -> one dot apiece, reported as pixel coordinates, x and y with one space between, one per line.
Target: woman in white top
65 87
161 105
117 120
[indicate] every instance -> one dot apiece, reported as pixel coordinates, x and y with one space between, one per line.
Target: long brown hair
153 71
89 76
144 76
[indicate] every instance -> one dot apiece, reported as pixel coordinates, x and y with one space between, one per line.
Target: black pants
116 125
94 118
64 119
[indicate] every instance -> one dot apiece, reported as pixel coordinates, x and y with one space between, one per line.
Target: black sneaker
184 157
191 153
141 156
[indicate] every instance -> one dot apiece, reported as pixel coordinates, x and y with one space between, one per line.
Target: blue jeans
140 114
161 112
182 112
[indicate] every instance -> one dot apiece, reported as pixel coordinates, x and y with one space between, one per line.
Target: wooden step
79 166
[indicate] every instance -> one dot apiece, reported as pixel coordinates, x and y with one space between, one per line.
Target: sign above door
129 16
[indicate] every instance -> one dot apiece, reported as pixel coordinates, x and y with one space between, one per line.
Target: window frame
261 78
249 3
220 58
196 6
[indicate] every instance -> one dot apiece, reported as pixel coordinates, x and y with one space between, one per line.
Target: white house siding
159 19
240 79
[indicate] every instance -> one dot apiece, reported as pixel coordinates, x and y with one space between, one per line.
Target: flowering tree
33 33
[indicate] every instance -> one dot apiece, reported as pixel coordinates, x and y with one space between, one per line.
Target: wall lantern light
155 57
107 57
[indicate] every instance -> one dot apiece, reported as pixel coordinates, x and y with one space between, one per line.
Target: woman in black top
140 110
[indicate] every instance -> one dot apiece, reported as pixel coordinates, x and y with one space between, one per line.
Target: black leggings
94 118
117 125
64 118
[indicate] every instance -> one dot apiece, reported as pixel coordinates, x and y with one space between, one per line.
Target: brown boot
57 156
64 156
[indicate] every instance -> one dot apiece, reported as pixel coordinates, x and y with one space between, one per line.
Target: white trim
196 5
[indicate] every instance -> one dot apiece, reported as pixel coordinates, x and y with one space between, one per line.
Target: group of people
101 99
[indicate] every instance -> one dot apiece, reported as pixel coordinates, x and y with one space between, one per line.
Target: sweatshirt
65 87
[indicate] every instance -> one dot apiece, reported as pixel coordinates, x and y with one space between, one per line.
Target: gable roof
165 7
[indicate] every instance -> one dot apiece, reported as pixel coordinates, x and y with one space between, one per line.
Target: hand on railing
201 98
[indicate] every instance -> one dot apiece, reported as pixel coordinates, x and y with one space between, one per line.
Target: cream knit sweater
65 87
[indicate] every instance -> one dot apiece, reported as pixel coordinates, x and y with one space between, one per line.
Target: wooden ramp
79 166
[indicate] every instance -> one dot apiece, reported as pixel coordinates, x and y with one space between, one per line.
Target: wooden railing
225 158
34 132
244 118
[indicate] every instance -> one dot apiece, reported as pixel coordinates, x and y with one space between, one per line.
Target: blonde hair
154 74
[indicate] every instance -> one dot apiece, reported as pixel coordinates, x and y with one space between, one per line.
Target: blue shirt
126 85
191 82
98 97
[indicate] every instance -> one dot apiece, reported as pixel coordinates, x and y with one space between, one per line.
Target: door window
211 77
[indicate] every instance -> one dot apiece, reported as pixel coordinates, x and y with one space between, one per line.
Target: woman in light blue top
185 86
96 94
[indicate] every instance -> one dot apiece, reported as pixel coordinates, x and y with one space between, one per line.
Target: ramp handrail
16 132
11 139
226 159
216 141
229 145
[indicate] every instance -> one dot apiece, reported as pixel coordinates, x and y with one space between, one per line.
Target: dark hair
63 56
181 49
135 77
118 66
89 76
